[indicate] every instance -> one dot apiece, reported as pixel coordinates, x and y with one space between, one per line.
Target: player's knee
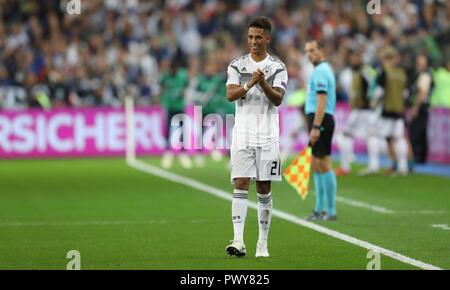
242 183
263 188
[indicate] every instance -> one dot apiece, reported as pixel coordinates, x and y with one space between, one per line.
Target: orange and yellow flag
297 173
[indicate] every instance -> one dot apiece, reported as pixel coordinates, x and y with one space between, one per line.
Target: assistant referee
319 109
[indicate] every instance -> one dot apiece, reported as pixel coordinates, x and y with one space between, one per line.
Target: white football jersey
256 120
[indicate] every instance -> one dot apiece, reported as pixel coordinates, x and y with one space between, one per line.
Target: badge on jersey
267 70
298 172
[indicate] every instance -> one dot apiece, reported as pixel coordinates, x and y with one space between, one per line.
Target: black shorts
322 147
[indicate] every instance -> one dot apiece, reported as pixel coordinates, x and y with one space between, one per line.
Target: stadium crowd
175 52
154 50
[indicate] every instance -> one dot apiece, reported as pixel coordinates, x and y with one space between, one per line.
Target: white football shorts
256 163
360 123
389 127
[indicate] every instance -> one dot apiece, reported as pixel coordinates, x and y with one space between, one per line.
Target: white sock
167 160
401 150
346 151
239 213
373 148
265 206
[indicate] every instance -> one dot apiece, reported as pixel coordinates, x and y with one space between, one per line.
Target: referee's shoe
328 218
316 216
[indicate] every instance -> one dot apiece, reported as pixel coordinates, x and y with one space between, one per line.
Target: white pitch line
422 212
365 205
384 210
444 227
139 165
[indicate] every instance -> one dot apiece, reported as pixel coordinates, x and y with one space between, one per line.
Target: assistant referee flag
297 173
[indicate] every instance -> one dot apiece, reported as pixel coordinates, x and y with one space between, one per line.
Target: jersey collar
258 62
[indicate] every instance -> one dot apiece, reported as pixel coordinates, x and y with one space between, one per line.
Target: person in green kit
218 103
208 90
173 86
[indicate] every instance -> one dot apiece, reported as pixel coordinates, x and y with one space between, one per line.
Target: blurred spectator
207 89
362 117
174 82
440 96
419 99
391 85
119 47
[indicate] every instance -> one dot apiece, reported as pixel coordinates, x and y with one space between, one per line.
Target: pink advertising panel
439 135
99 132
78 132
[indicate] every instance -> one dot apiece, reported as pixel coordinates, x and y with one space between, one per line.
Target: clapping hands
257 77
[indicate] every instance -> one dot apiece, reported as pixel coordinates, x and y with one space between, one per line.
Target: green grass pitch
120 218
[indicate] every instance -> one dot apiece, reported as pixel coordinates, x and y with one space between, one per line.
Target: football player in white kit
257 83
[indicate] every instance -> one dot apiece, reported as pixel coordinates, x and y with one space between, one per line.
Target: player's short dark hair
261 22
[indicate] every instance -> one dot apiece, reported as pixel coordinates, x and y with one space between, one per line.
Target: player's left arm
274 94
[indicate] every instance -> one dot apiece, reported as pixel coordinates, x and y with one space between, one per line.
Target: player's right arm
318 117
235 91
322 89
